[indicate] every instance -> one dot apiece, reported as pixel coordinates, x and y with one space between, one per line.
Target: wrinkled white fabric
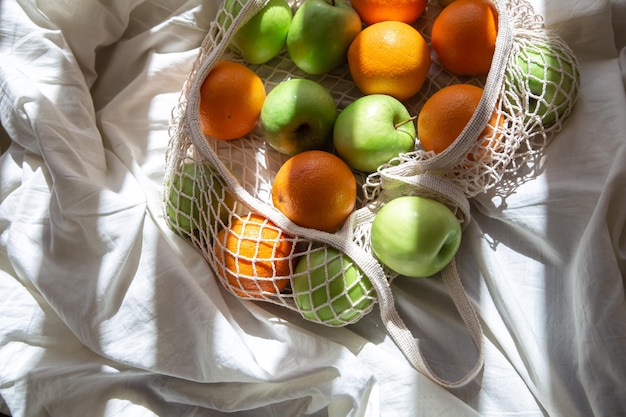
106 312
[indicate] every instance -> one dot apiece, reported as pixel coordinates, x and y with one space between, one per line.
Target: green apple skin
548 68
187 184
298 115
415 236
230 9
341 299
372 130
265 35
320 33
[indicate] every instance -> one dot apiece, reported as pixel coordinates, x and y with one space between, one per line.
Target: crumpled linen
107 312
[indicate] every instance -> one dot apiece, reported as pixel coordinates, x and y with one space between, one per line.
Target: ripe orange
389 58
315 189
253 254
445 114
374 11
464 36
231 97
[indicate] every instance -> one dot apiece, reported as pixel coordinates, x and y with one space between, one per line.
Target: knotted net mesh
217 194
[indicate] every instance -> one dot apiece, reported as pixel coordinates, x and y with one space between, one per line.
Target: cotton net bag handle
405 177
520 30
402 183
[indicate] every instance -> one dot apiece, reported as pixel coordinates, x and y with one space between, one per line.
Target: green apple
330 289
551 78
298 115
229 10
187 209
265 35
372 130
320 33
415 236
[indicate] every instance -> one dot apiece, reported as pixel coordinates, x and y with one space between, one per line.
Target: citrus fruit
231 97
254 256
389 58
315 189
464 36
446 113
374 11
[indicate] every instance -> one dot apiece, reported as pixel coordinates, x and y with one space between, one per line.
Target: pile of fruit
318 145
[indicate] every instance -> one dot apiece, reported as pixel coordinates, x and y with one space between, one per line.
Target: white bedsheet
106 312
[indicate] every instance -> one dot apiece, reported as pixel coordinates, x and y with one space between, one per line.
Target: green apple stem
410 119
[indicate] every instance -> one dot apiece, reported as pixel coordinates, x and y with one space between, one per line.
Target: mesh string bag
219 192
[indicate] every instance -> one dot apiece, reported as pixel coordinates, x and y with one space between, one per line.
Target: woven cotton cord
418 177
444 177
190 129
481 116
432 186
184 120
391 319
472 177
338 240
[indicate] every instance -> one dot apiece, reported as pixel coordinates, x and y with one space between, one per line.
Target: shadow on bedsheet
5 140
563 222
96 215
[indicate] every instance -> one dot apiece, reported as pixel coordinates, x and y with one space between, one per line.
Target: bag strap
404 339
403 180
491 93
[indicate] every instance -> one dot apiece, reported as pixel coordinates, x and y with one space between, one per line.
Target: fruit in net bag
329 288
372 130
374 11
263 36
389 58
446 113
231 97
321 32
197 198
464 36
415 236
298 115
551 78
230 10
253 256
315 189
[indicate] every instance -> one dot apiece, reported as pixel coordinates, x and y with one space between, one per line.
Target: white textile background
106 312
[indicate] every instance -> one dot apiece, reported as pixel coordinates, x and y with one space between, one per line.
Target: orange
464 36
374 11
315 189
389 58
231 97
254 256
446 113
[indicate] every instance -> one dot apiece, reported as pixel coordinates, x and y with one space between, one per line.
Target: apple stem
410 119
332 2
